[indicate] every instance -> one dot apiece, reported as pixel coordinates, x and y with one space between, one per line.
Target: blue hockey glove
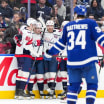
47 56
47 59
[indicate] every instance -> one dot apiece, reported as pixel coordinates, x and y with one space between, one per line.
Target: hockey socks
72 93
91 93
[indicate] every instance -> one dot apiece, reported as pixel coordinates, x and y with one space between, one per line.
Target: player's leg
31 81
53 64
40 77
92 84
46 72
20 61
63 73
74 85
24 77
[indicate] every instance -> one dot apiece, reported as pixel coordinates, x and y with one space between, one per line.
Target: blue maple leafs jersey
80 36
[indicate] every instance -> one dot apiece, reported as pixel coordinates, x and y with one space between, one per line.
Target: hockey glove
47 57
17 39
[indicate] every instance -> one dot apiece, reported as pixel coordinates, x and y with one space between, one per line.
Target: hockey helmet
31 21
64 23
50 22
80 10
38 25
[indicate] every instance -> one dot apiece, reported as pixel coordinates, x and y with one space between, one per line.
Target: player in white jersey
51 64
24 56
62 66
39 63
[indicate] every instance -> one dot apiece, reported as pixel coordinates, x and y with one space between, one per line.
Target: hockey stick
102 63
27 82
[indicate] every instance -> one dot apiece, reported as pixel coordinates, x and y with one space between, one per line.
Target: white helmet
64 23
38 25
50 22
31 21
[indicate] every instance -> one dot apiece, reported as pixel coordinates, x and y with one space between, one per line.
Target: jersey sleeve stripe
102 43
60 44
57 48
102 36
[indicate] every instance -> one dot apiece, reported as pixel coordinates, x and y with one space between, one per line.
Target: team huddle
32 43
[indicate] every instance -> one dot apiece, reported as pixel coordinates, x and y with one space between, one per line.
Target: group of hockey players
31 44
41 51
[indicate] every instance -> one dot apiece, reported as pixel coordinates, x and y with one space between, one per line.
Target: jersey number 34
79 40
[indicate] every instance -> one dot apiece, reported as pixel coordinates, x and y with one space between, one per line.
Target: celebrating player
50 37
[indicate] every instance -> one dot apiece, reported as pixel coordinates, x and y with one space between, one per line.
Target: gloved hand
17 38
47 56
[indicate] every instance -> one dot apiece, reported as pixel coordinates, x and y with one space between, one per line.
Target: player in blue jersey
80 36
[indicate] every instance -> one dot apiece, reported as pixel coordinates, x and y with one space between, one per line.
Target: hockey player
50 37
80 36
39 65
24 53
62 66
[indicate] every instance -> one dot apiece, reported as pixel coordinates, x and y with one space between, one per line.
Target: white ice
45 101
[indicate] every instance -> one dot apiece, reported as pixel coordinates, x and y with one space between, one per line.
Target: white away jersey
37 44
50 39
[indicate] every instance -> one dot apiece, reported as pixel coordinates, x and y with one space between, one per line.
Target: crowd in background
14 13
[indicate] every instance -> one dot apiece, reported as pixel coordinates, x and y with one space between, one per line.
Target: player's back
81 37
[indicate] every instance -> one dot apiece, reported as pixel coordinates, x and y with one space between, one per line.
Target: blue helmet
80 10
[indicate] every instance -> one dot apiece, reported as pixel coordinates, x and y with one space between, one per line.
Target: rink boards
8 70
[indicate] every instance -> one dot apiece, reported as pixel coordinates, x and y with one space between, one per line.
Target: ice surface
45 101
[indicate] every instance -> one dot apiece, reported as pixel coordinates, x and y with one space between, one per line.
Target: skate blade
23 98
16 97
47 97
32 97
42 97
63 101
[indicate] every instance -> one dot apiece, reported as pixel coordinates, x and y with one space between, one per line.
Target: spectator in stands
23 15
50 3
102 28
91 16
102 3
56 18
61 8
43 10
13 29
95 9
3 24
32 9
101 22
6 10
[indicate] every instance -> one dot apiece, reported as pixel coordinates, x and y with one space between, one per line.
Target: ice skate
32 95
23 95
16 94
61 95
42 95
63 99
